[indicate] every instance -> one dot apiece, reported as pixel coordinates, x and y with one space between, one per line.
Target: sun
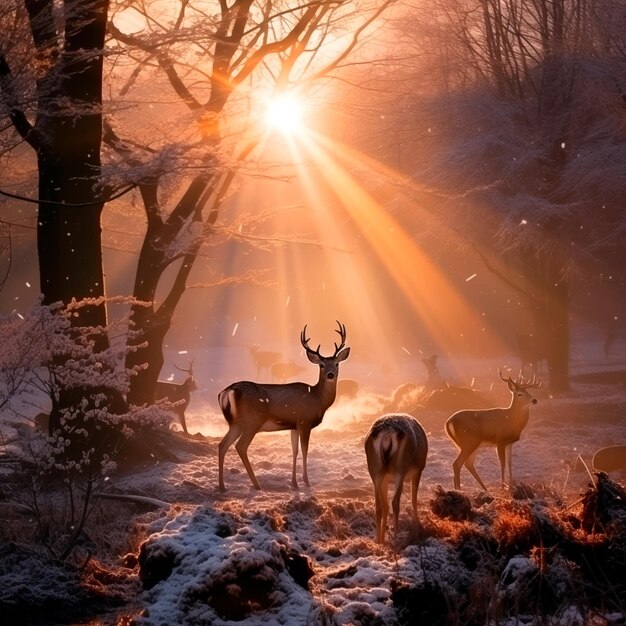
285 113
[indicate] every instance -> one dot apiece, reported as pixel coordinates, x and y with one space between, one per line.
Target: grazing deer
396 449
263 360
252 407
283 370
501 427
178 394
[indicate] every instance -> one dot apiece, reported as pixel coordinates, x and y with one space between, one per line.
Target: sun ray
440 306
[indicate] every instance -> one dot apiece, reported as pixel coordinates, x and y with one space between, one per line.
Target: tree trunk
149 323
549 306
69 127
70 123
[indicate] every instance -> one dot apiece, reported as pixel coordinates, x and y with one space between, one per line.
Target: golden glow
368 267
285 113
439 304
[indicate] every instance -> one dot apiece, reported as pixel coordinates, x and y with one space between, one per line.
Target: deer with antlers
250 407
178 394
501 427
396 449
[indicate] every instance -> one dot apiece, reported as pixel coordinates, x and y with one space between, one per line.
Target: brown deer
178 394
501 427
252 407
262 359
396 449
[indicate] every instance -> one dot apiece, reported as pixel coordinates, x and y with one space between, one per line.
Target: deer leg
509 461
382 511
395 503
469 463
380 531
304 440
415 483
229 438
183 423
457 464
242 448
294 449
461 459
501 448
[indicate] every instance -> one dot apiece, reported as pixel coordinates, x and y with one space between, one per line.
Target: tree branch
163 60
505 279
17 116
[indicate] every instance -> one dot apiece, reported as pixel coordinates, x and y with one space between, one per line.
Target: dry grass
509 557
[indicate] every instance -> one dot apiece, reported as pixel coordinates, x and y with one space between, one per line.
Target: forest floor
549 549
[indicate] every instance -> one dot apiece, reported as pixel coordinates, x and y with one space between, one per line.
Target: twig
133 498
591 478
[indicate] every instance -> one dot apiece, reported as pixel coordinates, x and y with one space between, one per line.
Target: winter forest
235 234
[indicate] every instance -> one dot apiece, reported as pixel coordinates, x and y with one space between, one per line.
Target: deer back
397 445
487 425
166 390
284 404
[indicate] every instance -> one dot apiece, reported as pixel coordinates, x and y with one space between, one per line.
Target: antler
531 383
342 334
507 379
305 343
520 381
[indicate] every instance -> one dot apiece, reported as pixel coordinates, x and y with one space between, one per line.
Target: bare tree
238 47
202 54
506 127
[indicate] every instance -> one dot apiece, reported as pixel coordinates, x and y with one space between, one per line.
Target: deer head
191 379
329 365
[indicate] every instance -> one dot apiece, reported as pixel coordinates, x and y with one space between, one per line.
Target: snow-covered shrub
193 574
47 357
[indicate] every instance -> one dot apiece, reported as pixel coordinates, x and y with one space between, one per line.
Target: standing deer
501 427
252 407
262 359
178 394
396 449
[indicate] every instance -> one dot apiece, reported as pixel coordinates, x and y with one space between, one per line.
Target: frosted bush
45 354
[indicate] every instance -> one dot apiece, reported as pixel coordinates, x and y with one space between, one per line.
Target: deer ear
313 357
343 355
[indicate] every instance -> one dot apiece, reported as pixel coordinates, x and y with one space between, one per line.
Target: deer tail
387 446
450 431
226 400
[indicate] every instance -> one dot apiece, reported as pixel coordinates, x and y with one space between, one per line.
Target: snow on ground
307 556
228 544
